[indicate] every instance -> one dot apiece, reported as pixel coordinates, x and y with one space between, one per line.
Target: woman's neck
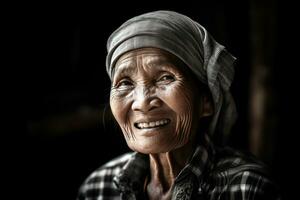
164 168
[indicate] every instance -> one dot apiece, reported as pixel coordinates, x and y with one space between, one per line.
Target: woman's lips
152 124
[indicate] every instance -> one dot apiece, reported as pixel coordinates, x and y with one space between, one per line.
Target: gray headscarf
189 41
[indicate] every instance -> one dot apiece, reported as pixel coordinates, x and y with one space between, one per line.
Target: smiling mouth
153 124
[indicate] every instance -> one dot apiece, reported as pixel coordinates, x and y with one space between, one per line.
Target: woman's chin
151 148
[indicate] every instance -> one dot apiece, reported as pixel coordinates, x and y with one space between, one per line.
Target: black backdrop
59 74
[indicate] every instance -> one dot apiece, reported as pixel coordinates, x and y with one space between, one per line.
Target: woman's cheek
177 96
180 99
118 106
120 103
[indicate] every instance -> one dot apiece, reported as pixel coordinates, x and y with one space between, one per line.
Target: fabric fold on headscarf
183 37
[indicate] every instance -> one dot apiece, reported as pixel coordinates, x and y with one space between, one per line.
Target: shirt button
199 190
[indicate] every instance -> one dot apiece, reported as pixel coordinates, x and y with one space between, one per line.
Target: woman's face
155 103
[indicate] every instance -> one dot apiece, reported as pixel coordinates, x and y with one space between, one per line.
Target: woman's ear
206 108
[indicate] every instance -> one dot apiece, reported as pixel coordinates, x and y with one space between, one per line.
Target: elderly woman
170 96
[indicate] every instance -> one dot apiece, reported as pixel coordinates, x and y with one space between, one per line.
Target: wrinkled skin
147 86
158 106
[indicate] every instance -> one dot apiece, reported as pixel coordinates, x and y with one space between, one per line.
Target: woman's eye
167 78
124 83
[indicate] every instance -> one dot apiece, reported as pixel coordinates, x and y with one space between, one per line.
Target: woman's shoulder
234 161
237 174
110 168
100 181
118 161
229 164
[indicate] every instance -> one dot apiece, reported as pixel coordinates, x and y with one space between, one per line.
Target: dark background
60 88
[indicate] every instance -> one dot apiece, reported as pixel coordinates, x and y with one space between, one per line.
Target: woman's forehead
153 53
151 57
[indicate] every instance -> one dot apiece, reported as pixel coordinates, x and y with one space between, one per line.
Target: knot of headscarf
190 42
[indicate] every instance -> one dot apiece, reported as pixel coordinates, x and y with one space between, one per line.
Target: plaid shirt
211 174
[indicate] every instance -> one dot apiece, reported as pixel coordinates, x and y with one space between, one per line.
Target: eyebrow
160 62
129 67
125 69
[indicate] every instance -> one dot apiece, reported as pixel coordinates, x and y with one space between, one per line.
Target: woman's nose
145 101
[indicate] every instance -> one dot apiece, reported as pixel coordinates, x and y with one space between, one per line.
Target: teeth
152 124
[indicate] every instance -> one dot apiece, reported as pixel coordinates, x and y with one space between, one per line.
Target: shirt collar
201 160
131 177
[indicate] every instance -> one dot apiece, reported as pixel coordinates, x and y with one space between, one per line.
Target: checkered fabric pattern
211 174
